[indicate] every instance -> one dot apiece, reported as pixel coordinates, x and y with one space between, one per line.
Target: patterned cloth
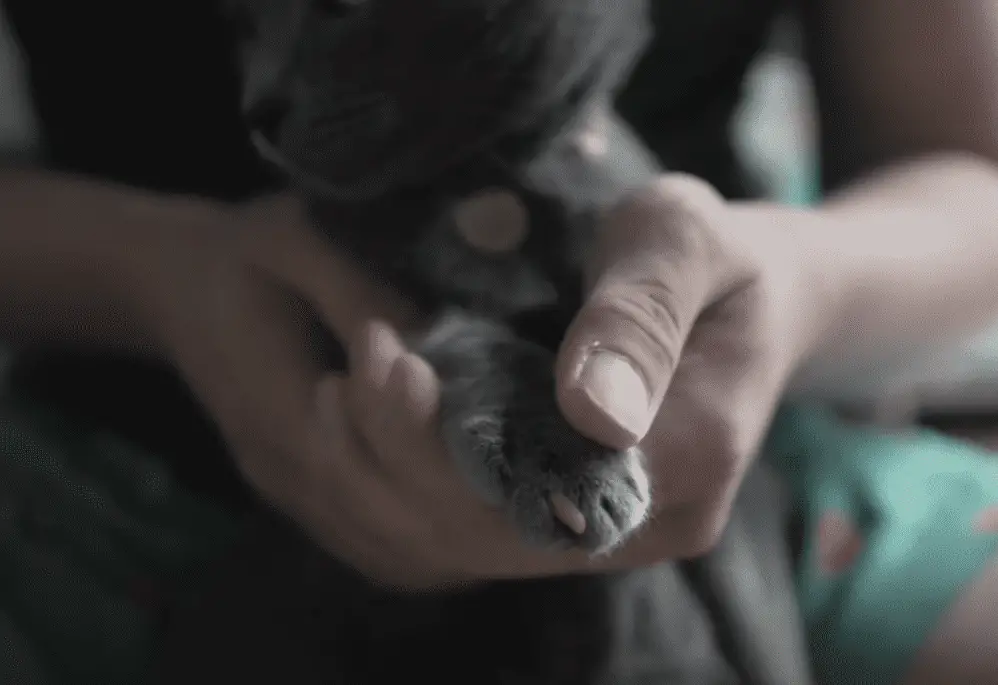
895 527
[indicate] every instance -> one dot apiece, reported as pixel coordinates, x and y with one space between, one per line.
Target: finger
274 329
267 386
341 513
444 525
405 439
280 362
350 474
705 437
656 273
376 353
274 393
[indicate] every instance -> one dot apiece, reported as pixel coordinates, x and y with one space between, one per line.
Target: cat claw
565 511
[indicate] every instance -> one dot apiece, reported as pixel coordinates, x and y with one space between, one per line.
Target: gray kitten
402 197
464 151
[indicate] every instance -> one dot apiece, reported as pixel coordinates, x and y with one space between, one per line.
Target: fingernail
612 383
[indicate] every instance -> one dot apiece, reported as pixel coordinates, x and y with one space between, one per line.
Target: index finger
393 399
395 410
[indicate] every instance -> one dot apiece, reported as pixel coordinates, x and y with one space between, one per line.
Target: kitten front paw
560 488
501 422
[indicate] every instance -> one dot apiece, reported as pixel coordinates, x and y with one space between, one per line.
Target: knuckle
704 532
680 220
724 444
651 310
693 208
687 191
674 188
692 220
726 459
657 303
701 541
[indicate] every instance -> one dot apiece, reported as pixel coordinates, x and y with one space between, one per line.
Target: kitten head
375 94
395 116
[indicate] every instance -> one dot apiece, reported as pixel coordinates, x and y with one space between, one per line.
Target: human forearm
911 253
74 261
913 248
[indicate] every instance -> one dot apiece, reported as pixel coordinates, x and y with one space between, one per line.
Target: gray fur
500 420
499 416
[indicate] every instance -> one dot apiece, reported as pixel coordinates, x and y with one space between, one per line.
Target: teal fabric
805 187
94 534
910 502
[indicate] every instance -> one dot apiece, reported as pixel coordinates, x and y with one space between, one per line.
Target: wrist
858 286
810 291
826 285
162 268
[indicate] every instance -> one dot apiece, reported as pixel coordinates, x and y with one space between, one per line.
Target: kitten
500 310
464 150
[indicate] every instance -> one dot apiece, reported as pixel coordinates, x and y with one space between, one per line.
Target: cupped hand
710 304
698 313
702 298
355 460
234 301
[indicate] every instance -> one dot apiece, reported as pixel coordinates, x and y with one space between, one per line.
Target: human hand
357 461
698 313
710 296
233 294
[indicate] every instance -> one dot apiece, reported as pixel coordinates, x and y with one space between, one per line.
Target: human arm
909 114
224 293
714 306
73 254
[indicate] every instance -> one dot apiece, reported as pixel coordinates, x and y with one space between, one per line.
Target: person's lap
900 543
95 536
95 531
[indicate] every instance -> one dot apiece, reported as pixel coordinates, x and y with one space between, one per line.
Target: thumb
654 276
